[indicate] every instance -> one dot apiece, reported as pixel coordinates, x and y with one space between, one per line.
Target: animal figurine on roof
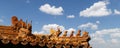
14 21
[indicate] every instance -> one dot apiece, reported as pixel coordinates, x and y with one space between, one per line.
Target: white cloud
53 26
70 30
92 26
70 16
116 12
98 22
98 9
1 20
114 41
46 28
27 1
106 38
99 40
46 8
115 35
37 32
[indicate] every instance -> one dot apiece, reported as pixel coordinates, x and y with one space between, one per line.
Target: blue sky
98 17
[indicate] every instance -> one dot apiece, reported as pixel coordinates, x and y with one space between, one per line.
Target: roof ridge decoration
20 33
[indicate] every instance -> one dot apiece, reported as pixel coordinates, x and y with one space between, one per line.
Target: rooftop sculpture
20 32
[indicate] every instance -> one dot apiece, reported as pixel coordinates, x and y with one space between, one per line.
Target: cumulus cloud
115 35
116 12
27 1
115 41
37 32
70 16
70 30
98 22
1 20
92 26
47 8
106 38
46 28
98 9
53 26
